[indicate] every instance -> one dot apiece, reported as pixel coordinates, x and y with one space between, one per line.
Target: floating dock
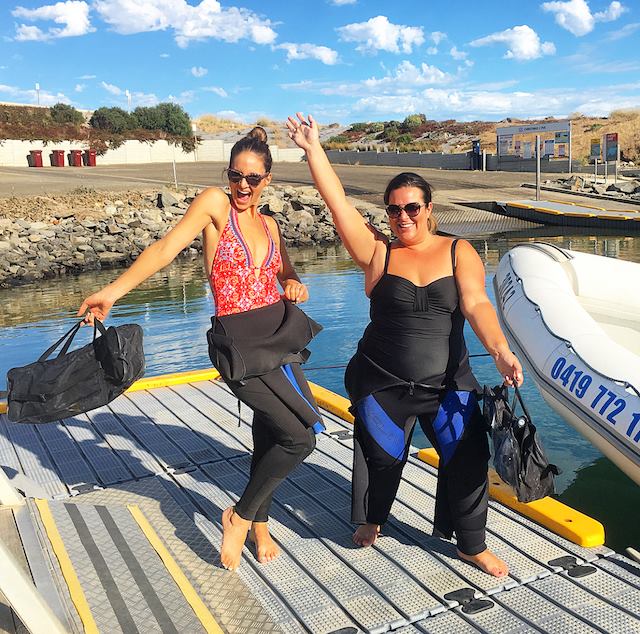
553 212
121 532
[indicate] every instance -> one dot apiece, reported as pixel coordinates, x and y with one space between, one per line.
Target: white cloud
72 14
378 34
340 3
164 55
85 77
186 96
405 78
437 36
207 20
456 54
46 98
432 50
113 89
304 51
575 15
522 43
613 12
79 87
198 71
625 31
221 92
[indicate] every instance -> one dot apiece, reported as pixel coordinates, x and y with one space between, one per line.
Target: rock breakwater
42 237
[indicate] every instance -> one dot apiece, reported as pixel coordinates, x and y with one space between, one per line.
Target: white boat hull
584 374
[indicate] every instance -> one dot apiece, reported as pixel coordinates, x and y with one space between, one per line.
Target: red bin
35 158
75 158
90 158
57 158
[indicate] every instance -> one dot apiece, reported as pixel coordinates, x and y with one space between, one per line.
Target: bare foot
266 548
487 562
366 534
234 534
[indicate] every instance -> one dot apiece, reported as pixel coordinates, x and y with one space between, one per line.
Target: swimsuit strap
453 254
386 258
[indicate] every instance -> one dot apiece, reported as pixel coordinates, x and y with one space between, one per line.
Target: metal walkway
135 493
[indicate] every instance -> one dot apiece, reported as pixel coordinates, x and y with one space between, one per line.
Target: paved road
366 182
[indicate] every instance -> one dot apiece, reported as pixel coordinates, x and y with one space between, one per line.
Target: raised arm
357 235
481 315
156 256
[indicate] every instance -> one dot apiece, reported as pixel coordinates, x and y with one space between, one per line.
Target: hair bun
258 133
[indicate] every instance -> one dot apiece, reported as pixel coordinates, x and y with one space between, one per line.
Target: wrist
499 351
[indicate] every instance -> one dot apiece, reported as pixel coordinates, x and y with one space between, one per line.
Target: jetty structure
110 522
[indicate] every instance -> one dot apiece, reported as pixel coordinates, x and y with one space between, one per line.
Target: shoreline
43 237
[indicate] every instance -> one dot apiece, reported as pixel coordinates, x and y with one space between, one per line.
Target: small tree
174 119
148 118
112 119
413 121
63 113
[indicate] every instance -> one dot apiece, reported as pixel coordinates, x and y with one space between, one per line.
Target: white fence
16 153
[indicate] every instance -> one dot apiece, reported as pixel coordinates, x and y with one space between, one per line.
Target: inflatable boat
574 321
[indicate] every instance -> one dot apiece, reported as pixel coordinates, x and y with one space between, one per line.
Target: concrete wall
437 160
14 153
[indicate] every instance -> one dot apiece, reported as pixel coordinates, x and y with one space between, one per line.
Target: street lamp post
38 93
128 94
194 129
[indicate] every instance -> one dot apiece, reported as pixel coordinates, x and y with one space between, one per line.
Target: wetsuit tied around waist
412 364
286 416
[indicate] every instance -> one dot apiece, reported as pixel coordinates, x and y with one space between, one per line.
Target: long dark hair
256 142
411 179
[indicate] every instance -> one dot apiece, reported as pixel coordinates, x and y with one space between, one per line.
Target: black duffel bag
78 381
518 455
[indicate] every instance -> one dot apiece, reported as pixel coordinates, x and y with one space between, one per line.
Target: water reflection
175 305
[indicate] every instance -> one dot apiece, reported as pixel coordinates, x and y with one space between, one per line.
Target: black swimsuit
412 364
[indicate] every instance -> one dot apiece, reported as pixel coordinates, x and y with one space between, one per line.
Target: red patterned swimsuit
238 285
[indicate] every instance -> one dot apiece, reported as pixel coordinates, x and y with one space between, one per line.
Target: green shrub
63 113
148 118
174 119
404 139
112 119
413 121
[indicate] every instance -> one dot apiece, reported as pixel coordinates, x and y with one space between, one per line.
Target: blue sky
341 60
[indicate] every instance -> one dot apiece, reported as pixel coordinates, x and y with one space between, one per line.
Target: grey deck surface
567 208
180 456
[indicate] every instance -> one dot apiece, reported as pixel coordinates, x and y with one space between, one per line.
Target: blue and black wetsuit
412 365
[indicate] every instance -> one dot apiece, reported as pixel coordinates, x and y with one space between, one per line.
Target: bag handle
518 396
69 336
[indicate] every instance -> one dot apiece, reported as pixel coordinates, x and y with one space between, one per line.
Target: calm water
174 308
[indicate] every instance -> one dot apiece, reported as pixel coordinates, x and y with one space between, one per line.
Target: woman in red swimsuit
246 258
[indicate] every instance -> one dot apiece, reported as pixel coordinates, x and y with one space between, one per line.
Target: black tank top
415 334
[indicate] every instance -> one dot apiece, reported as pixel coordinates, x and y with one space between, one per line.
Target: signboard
517 147
504 143
553 126
611 147
595 148
562 149
527 149
548 147
562 137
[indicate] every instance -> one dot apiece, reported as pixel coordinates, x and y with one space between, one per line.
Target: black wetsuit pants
281 441
453 424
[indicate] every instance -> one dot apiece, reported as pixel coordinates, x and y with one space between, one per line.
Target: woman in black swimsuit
412 362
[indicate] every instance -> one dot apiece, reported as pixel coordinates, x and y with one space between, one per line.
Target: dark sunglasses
411 209
253 179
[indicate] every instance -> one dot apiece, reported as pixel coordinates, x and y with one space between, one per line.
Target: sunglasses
411 209
253 179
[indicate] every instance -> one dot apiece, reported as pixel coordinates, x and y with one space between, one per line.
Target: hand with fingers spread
295 291
303 132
